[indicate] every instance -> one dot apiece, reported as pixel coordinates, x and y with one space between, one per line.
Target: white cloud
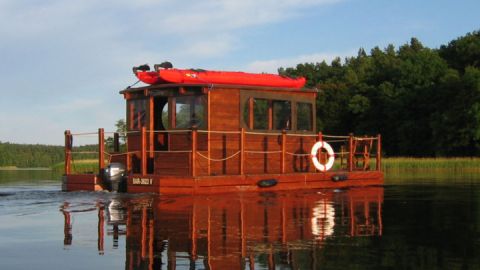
80 53
91 23
272 65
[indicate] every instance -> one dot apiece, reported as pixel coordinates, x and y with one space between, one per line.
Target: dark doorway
160 122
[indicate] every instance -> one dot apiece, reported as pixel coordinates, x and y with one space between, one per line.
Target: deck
238 162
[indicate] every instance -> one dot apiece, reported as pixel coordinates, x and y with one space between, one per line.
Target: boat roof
213 86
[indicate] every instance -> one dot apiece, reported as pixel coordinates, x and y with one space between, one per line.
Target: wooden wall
224 109
218 153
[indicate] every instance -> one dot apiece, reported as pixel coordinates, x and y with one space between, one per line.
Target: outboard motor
114 177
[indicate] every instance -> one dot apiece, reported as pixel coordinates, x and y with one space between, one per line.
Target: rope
335 137
84 133
84 152
302 135
170 131
121 154
132 85
177 151
262 133
129 132
221 159
263 152
297 155
364 139
334 141
219 132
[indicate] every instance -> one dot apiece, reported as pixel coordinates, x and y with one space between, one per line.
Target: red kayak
188 76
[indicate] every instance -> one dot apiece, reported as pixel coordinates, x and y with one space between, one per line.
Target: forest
36 155
425 102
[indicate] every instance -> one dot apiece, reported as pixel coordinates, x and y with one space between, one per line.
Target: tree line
424 102
29 155
37 155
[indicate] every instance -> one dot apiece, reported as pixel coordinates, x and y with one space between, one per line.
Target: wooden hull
232 183
218 77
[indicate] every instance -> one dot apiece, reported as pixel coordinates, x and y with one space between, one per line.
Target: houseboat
197 132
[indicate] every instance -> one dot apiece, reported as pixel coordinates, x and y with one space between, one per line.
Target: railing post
194 150
143 152
379 153
68 152
242 151
284 143
350 152
116 142
101 149
128 162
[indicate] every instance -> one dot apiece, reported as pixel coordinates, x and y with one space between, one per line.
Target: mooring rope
216 159
297 155
263 152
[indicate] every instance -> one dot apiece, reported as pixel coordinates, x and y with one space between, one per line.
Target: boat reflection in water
235 231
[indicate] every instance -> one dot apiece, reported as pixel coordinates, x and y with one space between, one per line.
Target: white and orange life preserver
331 156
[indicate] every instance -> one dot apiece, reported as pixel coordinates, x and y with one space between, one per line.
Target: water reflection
239 231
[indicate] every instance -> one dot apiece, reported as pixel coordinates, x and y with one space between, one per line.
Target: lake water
427 220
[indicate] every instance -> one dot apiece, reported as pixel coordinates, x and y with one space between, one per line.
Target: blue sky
62 63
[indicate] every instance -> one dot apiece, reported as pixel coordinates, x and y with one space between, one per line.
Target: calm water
417 221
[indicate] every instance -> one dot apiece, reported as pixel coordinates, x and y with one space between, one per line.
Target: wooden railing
353 159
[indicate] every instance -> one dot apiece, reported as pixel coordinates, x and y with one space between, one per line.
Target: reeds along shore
392 164
406 163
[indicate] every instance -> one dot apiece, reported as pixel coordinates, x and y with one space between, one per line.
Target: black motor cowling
114 177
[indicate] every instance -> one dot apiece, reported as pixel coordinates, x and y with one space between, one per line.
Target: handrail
365 138
335 136
263 133
349 143
219 131
225 132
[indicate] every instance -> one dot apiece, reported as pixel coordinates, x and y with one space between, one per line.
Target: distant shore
13 168
388 164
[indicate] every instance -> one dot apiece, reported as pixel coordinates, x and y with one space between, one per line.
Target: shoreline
24 169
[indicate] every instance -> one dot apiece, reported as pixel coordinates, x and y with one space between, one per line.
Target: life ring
330 153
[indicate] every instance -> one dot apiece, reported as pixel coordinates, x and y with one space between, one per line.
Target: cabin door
160 122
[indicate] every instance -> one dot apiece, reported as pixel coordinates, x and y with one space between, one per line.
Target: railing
352 153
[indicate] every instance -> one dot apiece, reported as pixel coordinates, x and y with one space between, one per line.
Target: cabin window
165 118
304 116
282 115
260 113
138 111
189 112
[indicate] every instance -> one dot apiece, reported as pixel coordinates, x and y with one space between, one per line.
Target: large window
165 116
304 116
138 111
282 115
272 112
260 113
189 112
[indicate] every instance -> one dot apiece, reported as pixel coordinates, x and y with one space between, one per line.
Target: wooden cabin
201 137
